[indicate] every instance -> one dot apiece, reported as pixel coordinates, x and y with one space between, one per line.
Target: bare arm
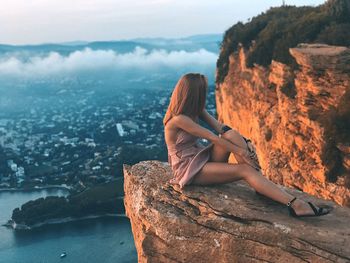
186 123
214 123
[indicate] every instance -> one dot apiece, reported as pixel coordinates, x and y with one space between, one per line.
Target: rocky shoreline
65 187
12 224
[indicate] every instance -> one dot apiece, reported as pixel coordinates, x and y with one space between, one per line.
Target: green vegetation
271 34
99 200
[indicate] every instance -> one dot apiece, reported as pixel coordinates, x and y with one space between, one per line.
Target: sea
103 240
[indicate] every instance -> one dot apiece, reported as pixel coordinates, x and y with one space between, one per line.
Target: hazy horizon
135 39
42 21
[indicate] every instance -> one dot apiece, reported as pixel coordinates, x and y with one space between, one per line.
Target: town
78 138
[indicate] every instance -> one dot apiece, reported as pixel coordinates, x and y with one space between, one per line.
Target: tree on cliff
271 34
339 9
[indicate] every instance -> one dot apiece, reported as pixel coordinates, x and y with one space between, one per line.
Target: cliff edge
299 120
225 223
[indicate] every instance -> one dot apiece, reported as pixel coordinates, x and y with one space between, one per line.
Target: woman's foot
299 208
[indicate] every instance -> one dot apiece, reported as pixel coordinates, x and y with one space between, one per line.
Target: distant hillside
272 33
210 42
65 49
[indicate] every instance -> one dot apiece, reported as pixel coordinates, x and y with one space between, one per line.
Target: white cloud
88 59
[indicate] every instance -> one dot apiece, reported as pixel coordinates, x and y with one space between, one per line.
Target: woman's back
172 133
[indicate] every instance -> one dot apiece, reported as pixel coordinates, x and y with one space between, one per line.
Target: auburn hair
188 97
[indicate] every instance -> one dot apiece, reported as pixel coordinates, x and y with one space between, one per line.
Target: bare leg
223 172
219 154
235 137
261 185
216 172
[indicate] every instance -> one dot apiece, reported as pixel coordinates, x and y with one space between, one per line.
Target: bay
106 239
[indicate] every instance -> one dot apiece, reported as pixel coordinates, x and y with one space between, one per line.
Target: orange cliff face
297 119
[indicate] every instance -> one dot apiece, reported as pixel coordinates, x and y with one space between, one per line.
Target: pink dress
186 157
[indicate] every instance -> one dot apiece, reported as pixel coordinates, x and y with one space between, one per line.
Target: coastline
53 186
12 224
36 188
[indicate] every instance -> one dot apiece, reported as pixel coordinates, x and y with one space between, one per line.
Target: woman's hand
252 153
248 154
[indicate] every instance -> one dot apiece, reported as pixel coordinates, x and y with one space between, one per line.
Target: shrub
281 28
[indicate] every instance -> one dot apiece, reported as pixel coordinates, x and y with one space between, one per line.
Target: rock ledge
225 223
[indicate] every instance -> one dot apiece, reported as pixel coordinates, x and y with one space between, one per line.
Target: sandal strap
316 211
291 201
246 139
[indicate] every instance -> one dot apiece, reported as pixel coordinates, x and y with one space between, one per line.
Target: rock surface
225 223
280 110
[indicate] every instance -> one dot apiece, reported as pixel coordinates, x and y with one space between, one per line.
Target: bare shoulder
182 119
170 130
177 122
171 125
193 127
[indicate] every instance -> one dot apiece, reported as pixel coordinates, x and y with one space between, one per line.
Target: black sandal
317 212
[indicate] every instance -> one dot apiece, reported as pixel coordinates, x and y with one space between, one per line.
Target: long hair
188 96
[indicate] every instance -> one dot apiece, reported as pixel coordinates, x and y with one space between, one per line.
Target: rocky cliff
299 119
225 223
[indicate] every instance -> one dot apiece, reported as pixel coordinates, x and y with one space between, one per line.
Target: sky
55 21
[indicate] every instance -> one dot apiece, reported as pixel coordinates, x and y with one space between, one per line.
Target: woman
193 163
